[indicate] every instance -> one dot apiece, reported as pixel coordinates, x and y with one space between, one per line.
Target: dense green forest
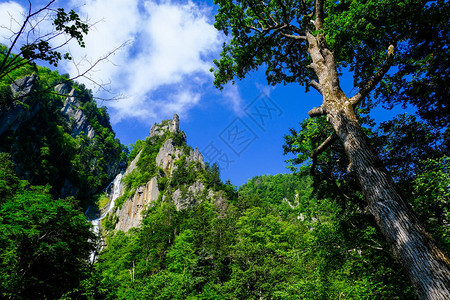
45 241
311 234
272 239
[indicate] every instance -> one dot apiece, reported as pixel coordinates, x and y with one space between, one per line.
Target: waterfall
116 189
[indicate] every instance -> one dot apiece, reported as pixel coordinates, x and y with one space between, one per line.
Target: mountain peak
166 125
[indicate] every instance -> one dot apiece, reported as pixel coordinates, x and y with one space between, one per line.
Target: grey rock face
133 163
175 126
167 155
196 156
167 125
63 88
130 214
24 85
191 197
76 117
13 117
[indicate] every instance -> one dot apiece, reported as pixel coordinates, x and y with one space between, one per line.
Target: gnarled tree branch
318 22
376 78
316 112
316 86
292 36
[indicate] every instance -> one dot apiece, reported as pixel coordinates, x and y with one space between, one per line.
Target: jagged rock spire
171 125
175 126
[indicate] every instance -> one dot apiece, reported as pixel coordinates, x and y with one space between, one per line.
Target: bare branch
325 145
295 37
316 85
82 74
318 22
21 30
376 78
316 112
267 29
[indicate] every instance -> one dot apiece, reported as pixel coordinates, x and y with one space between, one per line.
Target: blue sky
161 67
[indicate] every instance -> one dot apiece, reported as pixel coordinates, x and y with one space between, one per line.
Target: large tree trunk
424 263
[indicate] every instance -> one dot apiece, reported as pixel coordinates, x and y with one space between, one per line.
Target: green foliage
134 149
283 244
109 223
277 188
249 49
184 174
39 48
423 73
272 34
45 147
146 165
432 198
126 195
9 182
413 152
407 142
181 256
45 243
6 96
212 176
102 200
162 183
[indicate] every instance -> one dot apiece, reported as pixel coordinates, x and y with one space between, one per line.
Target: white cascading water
115 194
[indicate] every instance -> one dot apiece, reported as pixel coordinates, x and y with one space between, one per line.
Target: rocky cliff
59 138
73 113
179 176
12 117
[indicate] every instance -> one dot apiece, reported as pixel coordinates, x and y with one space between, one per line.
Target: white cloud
163 69
113 24
165 66
233 98
265 89
11 18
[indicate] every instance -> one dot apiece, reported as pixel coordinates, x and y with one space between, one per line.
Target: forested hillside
276 237
271 239
55 132
55 143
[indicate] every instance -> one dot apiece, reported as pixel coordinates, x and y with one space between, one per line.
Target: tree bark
423 262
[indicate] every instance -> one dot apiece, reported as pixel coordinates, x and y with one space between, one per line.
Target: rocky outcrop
17 114
168 154
24 86
166 125
183 200
74 115
133 165
129 215
34 124
196 156
13 117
